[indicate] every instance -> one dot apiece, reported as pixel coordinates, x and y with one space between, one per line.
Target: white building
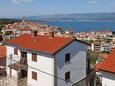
45 60
96 46
106 47
107 70
100 47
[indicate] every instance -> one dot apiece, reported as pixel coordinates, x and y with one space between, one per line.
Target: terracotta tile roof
104 56
2 52
109 63
41 43
98 66
24 28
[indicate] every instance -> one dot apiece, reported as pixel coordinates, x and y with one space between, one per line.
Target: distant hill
4 21
75 17
7 21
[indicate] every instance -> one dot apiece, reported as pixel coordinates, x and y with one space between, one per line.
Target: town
34 54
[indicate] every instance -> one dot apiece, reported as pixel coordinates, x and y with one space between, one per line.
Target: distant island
89 17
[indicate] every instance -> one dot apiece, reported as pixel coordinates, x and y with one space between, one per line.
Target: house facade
45 60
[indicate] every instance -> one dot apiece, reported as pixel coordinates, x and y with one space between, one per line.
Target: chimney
52 34
35 33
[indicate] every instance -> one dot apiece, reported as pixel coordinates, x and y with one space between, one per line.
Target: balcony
21 68
18 65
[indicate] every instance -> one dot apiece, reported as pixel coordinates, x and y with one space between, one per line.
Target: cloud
93 1
20 1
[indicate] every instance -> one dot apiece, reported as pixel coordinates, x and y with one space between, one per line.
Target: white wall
9 54
44 63
92 47
26 31
108 79
77 65
105 48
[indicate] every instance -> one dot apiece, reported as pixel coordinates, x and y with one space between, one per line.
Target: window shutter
34 57
15 51
34 75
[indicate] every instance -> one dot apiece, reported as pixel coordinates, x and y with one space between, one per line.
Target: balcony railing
23 61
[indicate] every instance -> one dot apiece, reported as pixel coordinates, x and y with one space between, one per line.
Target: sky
14 8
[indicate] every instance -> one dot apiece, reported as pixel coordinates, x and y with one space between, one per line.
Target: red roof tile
24 28
41 43
2 52
104 56
109 63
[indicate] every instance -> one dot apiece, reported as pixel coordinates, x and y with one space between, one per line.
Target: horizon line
53 14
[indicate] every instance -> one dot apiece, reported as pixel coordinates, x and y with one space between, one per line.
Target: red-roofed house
107 70
46 60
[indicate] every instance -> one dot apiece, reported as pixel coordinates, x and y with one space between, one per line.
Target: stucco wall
76 66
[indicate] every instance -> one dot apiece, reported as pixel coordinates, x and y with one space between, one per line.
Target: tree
8 32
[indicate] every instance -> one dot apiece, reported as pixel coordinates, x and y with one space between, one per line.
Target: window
67 57
15 51
23 54
67 76
34 57
34 75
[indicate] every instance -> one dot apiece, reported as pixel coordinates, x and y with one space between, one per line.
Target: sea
83 26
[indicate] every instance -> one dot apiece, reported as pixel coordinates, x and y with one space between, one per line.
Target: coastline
83 26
